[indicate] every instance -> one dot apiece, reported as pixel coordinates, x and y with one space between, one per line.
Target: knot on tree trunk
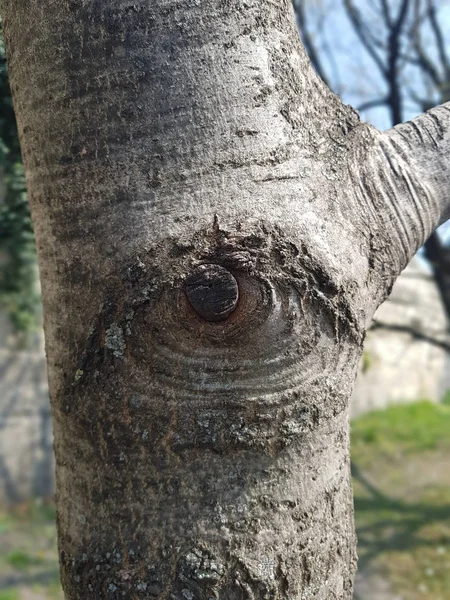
212 292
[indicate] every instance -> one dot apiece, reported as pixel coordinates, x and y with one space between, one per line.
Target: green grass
9 595
412 427
446 398
22 561
28 550
5 523
400 462
35 512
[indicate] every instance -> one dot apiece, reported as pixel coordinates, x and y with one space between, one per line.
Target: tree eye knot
212 291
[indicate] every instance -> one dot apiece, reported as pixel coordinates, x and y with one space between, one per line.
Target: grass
28 551
401 474
9 595
22 560
412 427
446 398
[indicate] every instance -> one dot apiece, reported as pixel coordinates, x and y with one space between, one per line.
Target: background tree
215 230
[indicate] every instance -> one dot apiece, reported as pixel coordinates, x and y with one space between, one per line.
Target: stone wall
404 355
26 452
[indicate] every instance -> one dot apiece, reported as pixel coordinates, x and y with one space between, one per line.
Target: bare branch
363 35
389 68
386 13
392 78
418 191
401 16
423 59
425 63
372 104
425 103
414 333
440 43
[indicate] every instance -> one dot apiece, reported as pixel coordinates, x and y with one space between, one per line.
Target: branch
414 178
386 13
404 178
395 96
401 16
423 60
424 102
363 34
440 42
414 333
372 104
425 63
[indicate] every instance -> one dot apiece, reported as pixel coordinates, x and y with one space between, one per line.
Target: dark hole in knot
212 292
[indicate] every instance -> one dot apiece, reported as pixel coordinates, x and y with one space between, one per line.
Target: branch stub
212 292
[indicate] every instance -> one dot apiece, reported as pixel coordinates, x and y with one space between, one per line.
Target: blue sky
352 71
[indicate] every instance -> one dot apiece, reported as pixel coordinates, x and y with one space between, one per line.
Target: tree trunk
214 230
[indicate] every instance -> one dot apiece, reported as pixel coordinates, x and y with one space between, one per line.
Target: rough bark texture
201 458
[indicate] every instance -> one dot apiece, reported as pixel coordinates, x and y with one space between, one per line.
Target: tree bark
215 230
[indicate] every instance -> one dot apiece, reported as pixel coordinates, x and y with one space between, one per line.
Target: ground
28 553
401 474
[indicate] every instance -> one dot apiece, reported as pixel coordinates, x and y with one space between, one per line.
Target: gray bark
201 458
